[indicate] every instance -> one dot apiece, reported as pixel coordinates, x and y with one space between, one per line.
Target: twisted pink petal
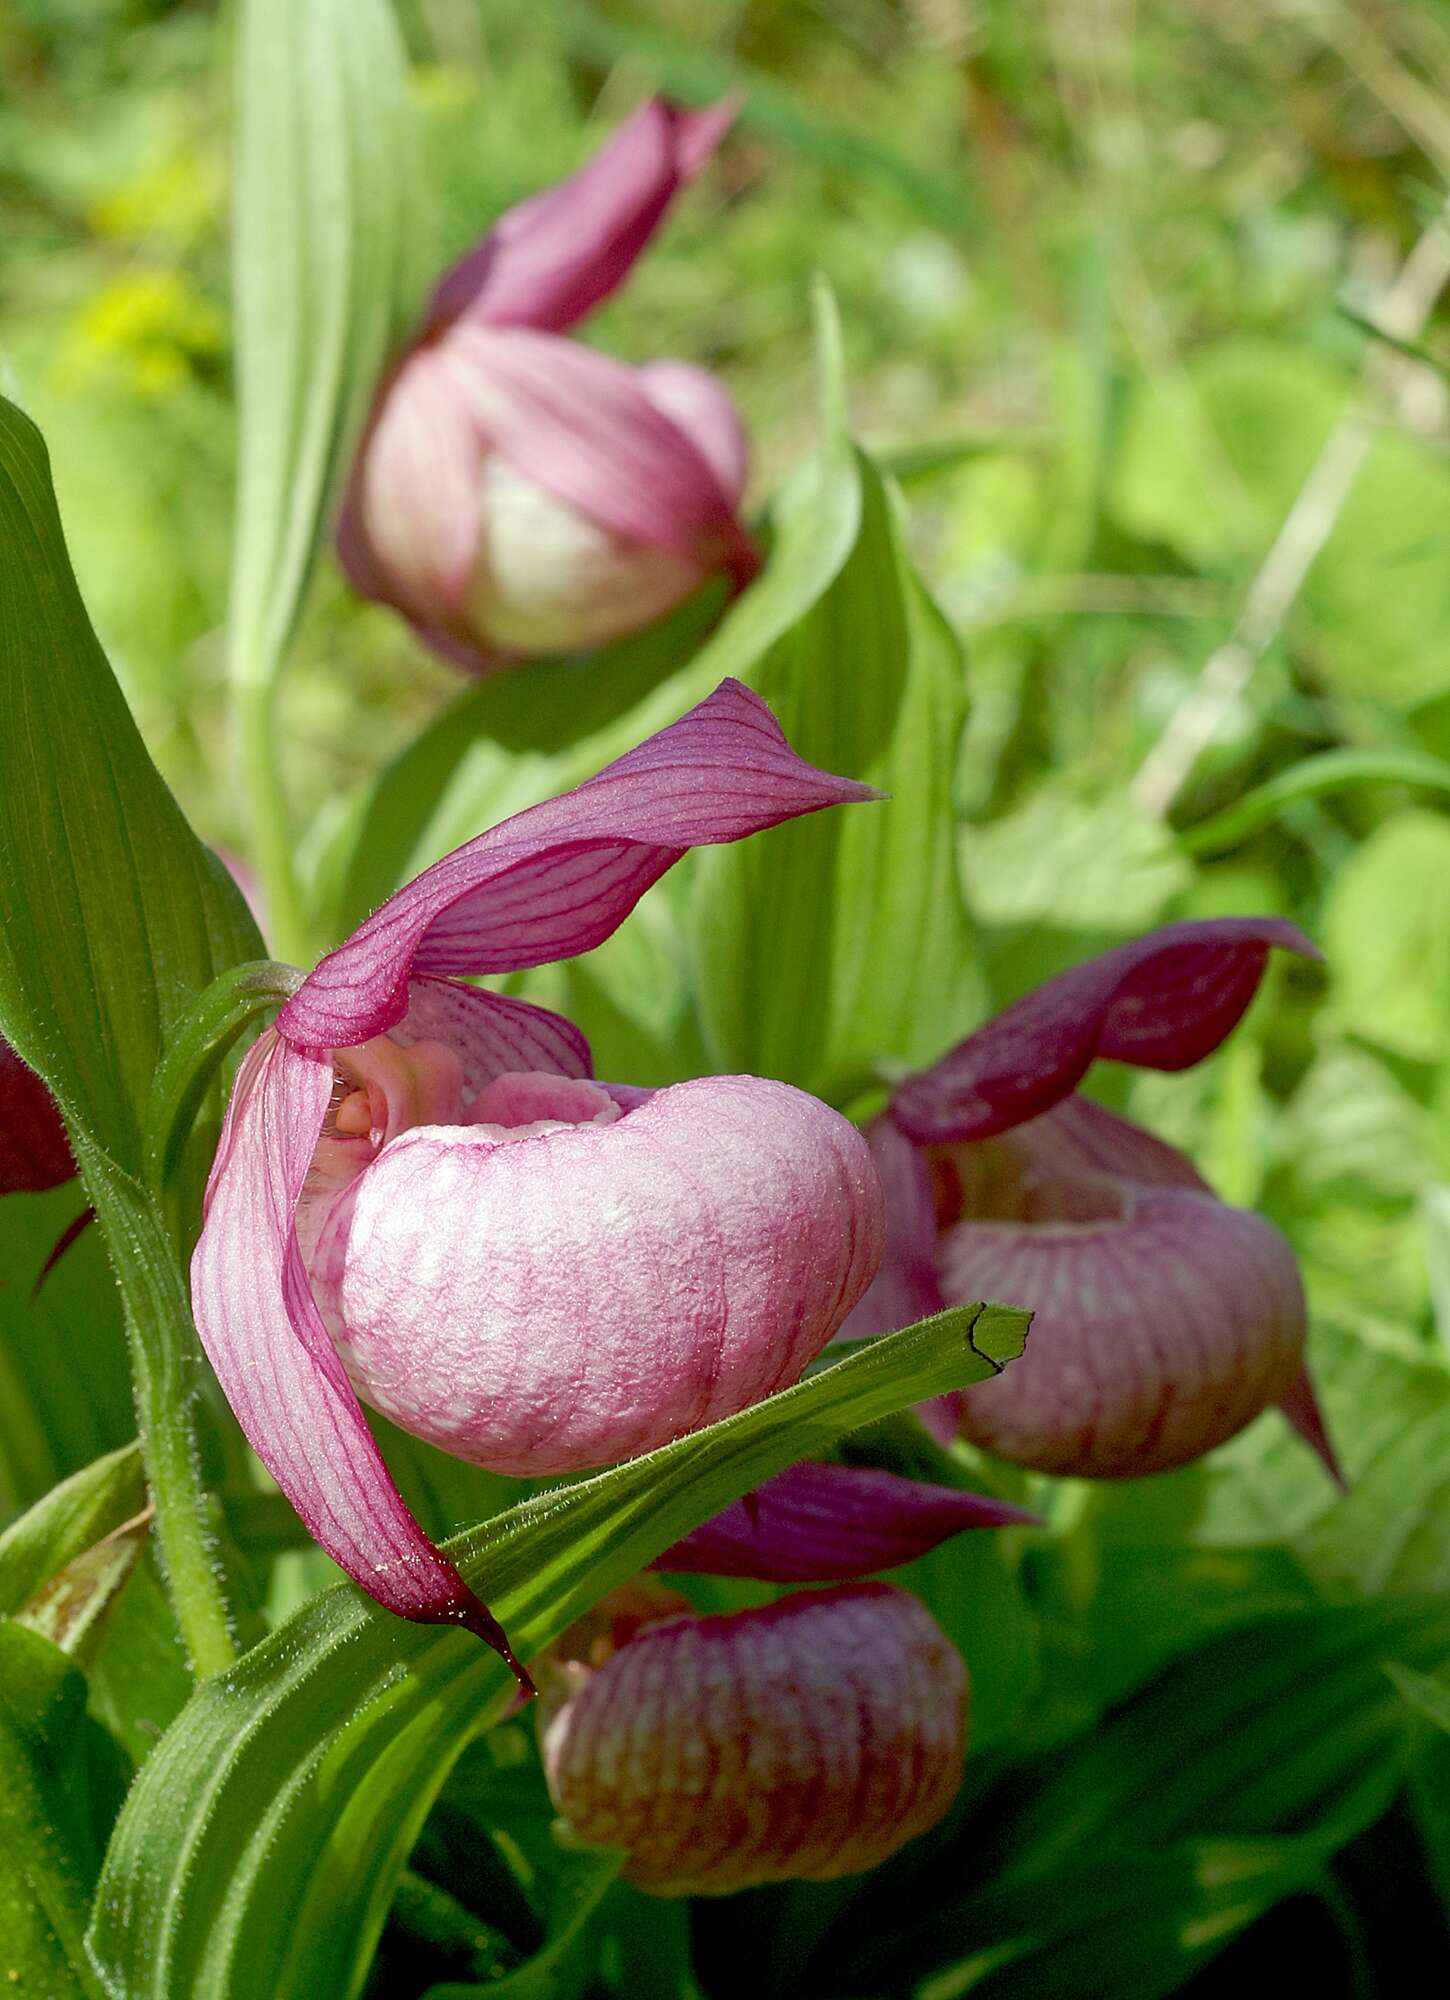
276 1365
1163 1002
833 1523
552 258
558 879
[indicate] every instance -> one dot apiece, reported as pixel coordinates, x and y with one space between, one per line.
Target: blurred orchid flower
422 1197
833 1523
34 1151
517 494
1163 1320
804 1740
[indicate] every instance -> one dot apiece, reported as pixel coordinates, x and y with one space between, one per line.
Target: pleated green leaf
325 245
112 914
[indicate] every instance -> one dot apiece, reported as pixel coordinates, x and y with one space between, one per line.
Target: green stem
167 1382
254 705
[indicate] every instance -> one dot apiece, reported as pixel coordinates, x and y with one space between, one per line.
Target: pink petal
276 1365
579 1296
582 426
410 525
1162 1002
905 1288
1079 1138
1157 1332
807 1739
34 1151
829 1523
491 1033
552 258
701 407
559 879
1300 1406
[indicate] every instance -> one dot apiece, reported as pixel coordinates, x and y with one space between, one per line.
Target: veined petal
832 1523
1163 1002
810 1738
409 529
584 427
552 258
559 879
905 1288
583 1293
34 1151
491 1033
1157 1333
276 1365
702 408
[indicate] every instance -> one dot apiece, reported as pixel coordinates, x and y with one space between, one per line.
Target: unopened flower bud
805 1740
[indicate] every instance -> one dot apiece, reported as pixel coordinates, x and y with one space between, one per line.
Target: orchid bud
422 1196
34 1151
805 1740
518 495
1163 1320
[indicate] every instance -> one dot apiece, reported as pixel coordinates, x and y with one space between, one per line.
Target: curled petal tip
1165 1001
560 878
1300 1407
552 258
471 1614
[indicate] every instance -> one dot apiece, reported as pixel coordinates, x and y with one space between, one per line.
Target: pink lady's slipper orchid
422 1197
34 1151
1164 1320
517 494
802 1741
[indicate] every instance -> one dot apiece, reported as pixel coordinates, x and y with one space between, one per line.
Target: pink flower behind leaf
422 1197
34 1151
799 1742
1163 1320
517 494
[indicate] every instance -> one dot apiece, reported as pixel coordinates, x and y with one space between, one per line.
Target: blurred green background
1108 273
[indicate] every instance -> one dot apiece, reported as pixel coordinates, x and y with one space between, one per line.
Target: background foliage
1107 276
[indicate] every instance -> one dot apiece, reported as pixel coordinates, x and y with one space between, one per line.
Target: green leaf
582 1882
65 1389
1386 931
831 945
47 1852
73 1608
1427 1694
1077 865
69 1519
325 241
261 1845
1119 1864
1312 777
112 913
